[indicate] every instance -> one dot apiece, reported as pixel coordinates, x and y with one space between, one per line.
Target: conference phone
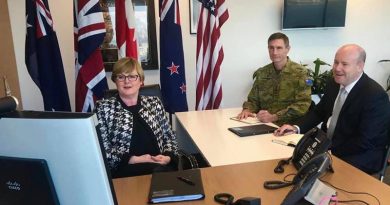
313 143
311 159
305 178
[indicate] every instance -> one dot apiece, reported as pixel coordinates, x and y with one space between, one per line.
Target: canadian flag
125 29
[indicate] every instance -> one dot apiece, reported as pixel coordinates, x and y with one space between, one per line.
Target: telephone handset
313 143
305 178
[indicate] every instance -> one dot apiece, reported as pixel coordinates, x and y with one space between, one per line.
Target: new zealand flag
172 70
43 57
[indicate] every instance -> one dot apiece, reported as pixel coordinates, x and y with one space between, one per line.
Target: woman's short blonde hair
127 65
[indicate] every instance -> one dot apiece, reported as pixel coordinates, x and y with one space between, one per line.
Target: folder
182 185
252 130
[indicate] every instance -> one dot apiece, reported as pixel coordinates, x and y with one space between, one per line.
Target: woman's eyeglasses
131 78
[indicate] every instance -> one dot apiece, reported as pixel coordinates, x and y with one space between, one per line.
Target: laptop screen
26 181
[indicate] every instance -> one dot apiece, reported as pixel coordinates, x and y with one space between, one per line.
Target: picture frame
144 13
194 15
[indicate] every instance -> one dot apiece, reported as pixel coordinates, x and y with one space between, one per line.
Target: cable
285 177
330 168
351 201
227 199
224 198
350 192
280 167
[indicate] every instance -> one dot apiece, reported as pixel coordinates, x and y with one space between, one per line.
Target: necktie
336 111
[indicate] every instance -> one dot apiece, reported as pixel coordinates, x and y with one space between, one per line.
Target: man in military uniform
280 93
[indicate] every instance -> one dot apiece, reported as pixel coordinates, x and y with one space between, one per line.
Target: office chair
386 160
8 104
146 90
385 164
186 161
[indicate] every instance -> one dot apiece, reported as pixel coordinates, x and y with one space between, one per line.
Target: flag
43 57
89 32
172 69
125 29
209 54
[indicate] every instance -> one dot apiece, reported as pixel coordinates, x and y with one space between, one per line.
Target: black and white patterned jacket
116 127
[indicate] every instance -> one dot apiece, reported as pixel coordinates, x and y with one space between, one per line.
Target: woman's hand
161 159
141 159
147 158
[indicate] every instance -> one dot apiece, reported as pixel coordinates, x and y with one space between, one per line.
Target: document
182 185
288 140
248 120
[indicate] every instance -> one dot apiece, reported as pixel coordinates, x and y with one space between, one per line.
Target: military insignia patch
309 82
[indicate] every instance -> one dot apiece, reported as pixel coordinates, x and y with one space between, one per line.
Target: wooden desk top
243 180
209 131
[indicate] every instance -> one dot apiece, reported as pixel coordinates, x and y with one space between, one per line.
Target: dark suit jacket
361 132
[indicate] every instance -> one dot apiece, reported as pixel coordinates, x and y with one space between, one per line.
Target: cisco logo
13 186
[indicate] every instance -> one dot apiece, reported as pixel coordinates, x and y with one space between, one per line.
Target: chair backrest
385 164
386 159
148 90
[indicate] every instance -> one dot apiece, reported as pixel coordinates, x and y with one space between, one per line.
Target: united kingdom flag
89 32
43 57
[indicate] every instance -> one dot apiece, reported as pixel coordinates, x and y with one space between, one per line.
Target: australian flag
172 70
43 57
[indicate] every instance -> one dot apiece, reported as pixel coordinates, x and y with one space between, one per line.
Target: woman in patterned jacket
135 129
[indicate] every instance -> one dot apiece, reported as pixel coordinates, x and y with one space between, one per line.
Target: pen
186 180
288 130
285 131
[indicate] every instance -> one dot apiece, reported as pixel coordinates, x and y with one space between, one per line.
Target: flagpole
6 87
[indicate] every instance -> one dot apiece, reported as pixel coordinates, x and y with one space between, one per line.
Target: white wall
244 38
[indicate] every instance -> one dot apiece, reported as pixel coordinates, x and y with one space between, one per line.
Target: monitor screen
313 13
70 145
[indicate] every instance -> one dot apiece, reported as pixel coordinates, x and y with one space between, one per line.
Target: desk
208 130
242 180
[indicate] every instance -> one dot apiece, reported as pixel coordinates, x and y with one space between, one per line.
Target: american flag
89 32
209 54
172 68
43 57
125 29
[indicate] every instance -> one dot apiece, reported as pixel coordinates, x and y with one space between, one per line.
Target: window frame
152 62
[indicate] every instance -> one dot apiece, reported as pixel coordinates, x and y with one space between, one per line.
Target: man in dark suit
360 126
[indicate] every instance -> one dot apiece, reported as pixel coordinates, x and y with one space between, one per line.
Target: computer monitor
70 145
309 14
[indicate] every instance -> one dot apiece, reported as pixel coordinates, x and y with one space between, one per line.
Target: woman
135 130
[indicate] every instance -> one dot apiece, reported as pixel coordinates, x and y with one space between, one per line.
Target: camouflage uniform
283 93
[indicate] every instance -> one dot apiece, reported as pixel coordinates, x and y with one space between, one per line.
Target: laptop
252 130
26 181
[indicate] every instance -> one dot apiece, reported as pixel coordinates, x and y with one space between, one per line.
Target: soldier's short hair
279 35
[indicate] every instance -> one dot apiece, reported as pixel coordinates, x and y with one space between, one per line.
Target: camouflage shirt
283 93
